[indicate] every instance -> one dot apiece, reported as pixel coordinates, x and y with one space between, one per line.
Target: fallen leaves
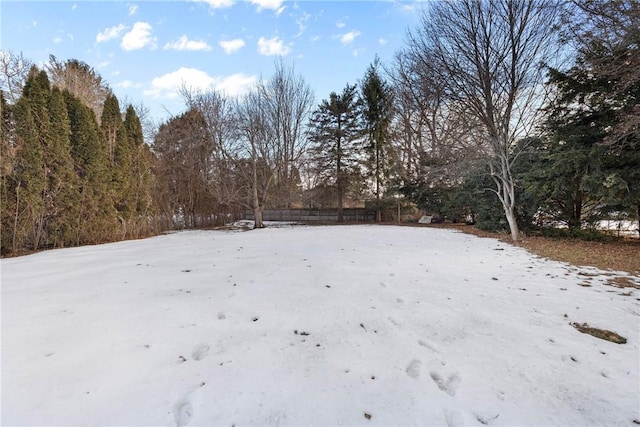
600 333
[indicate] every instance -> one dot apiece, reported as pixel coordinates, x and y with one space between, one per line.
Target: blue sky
146 49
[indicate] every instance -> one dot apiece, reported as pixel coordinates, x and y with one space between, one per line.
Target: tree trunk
15 219
340 203
378 212
257 212
339 180
506 194
513 225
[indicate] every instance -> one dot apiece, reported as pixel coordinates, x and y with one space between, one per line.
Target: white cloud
127 84
74 7
382 41
133 8
349 37
407 7
273 46
275 5
217 4
104 64
340 24
302 23
110 33
168 85
138 37
58 40
183 43
235 84
231 46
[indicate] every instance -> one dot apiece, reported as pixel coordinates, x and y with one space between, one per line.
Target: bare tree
14 69
287 101
257 140
253 143
491 53
428 129
81 80
242 159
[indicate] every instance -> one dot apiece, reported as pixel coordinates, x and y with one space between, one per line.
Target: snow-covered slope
353 325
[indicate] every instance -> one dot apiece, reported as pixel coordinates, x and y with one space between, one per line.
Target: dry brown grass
603 334
619 255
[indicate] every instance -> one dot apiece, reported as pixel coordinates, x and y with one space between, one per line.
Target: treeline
510 114
68 178
534 123
272 148
478 118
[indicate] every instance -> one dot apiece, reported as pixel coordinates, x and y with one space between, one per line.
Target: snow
340 325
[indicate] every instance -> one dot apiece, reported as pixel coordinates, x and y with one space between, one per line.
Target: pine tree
377 102
334 129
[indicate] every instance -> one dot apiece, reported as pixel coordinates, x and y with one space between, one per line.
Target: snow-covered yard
341 325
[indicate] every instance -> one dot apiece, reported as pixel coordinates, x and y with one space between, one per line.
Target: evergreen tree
120 155
97 218
584 179
141 170
62 181
334 130
30 182
377 103
33 126
7 175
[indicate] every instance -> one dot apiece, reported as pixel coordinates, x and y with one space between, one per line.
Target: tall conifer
377 103
333 129
30 181
63 183
120 156
97 220
141 170
7 175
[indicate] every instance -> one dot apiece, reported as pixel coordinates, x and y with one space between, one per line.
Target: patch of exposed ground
619 255
600 333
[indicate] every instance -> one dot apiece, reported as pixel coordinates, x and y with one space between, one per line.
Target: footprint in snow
428 344
183 413
413 368
453 418
200 351
394 321
450 385
486 418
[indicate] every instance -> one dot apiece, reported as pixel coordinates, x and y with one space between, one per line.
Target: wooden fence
314 215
